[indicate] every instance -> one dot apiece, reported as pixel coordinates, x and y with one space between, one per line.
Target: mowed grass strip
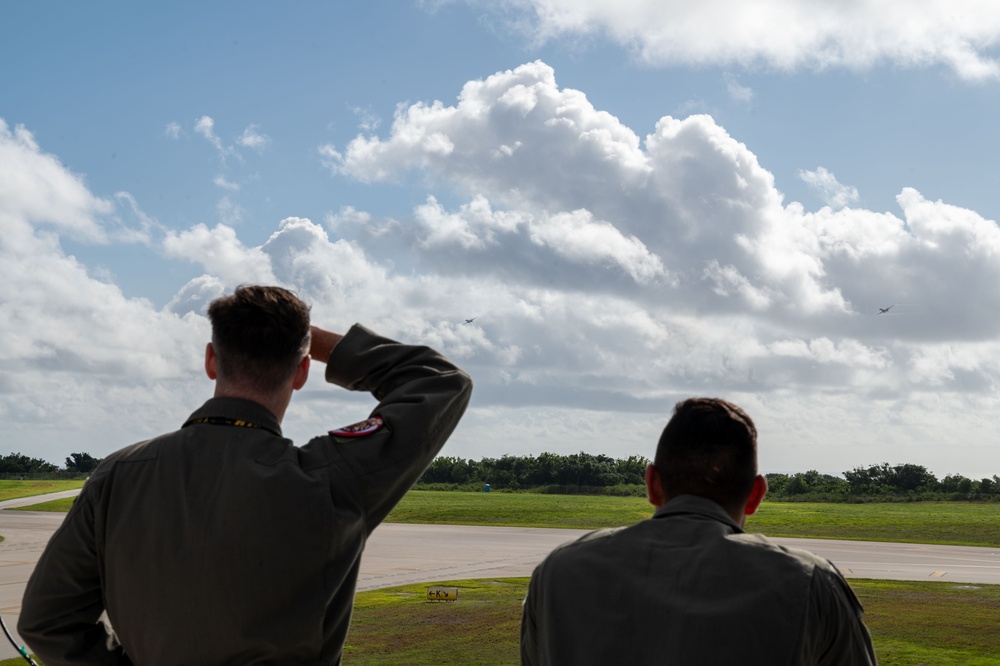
951 523
399 626
911 623
954 523
17 489
62 505
944 624
518 509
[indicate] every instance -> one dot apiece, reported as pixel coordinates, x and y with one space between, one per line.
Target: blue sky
639 205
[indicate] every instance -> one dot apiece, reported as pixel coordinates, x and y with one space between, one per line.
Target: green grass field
911 623
17 489
518 509
399 626
954 523
57 505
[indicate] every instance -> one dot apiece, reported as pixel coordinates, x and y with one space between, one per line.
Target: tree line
884 480
586 473
583 472
578 470
19 464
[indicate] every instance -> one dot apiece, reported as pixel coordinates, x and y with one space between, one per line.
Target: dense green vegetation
16 463
84 463
582 473
17 466
886 482
547 469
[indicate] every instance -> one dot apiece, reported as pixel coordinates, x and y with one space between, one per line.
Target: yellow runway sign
442 593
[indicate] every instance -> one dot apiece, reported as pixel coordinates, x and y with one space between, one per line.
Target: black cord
21 650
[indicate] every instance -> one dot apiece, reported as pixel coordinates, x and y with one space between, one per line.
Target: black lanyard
222 421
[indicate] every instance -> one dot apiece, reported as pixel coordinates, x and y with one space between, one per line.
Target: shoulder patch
366 427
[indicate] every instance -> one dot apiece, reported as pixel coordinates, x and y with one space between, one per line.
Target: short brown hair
260 334
709 449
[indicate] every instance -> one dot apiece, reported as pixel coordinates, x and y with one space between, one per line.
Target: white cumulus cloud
35 188
221 251
252 138
783 34
205 126
833 193
173 130
736 90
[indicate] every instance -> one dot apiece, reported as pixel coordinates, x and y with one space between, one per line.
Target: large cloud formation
611 274
779 34
683 265
76 354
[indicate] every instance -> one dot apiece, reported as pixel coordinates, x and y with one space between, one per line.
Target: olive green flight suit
689 588
222 542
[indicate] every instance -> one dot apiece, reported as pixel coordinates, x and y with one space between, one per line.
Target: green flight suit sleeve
530 655
835 634
63 600
422 395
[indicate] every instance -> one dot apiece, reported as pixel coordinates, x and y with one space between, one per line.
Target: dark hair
260 334
709 449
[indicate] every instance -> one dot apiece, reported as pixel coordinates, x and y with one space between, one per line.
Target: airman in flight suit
224 543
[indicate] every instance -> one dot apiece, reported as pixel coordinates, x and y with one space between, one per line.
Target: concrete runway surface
399 554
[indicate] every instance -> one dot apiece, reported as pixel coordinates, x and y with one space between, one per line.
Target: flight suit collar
698 506
238 409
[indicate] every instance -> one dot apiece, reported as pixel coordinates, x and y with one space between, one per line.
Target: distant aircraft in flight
884 310
469 321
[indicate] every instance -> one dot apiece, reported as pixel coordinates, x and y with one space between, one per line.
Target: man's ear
301 373
210 368
756 495
654 489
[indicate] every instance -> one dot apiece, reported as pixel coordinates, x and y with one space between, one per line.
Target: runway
400 554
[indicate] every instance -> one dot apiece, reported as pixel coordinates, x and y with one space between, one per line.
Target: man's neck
276 404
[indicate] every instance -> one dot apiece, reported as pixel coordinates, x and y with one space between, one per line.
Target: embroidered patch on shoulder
366 427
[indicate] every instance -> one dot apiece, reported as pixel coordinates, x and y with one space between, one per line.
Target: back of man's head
259 334
709 449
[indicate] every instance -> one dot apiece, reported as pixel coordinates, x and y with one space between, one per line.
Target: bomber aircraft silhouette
469 321
884 310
